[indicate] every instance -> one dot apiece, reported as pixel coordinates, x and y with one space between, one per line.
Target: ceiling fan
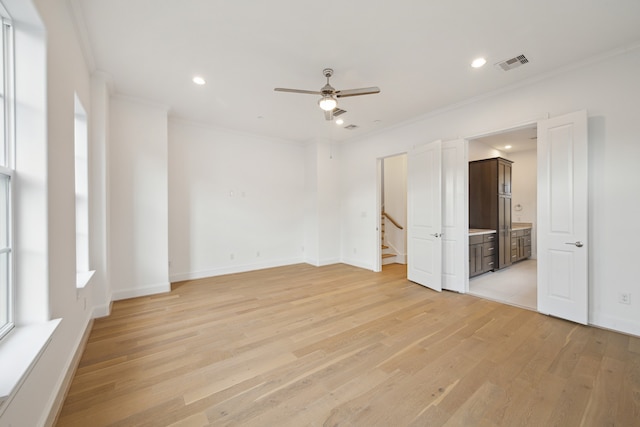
328 102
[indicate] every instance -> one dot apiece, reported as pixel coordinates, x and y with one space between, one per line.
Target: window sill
19 351
83 278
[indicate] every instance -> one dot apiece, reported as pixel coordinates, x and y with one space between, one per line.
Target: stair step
387 255
385 247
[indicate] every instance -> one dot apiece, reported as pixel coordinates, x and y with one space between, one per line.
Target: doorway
392 184
515 284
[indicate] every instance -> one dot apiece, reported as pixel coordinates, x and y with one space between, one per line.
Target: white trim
158 288
80 26
141 101
194 275
358 263
103 310
19 351
59 394
83 278
322 263
614 323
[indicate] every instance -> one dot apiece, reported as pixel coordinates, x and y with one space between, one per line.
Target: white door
562 217
455 216
424 216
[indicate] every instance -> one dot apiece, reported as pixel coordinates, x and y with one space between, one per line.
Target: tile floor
515 285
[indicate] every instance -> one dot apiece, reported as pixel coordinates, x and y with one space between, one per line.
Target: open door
562 217
455 216
424 215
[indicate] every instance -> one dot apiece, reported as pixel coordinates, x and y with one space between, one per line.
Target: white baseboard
615 324
101 310
179 277
357 263
141 291
65 381
322 263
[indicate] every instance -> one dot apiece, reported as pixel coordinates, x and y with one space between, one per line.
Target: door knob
578 243
436 234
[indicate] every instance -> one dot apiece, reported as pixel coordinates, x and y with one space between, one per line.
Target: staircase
388 257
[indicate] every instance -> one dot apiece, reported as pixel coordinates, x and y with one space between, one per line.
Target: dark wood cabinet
490 203
520 244
482 249
504 231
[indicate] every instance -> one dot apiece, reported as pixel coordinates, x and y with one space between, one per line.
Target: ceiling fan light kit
327 103
328 94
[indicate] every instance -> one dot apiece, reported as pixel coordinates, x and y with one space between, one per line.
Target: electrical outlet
624 298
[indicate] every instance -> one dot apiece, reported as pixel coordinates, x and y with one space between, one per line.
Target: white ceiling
417 51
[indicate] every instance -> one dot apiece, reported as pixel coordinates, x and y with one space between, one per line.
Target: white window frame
6 169
81 149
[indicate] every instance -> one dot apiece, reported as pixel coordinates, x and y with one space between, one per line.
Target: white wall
138 198
311 241
237 201
479 151
524 190
608 90
322 203
328 193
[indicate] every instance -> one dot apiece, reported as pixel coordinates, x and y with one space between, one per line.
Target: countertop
520 225
514 226
480 231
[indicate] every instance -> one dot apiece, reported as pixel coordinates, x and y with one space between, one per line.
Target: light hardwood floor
341 346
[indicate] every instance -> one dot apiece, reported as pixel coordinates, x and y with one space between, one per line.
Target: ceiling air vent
338 112
512 63
351 127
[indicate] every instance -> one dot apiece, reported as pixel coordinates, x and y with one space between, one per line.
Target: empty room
292 213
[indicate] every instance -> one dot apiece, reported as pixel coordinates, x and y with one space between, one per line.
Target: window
82 193
6 174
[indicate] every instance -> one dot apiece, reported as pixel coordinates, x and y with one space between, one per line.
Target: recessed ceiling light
199 80
478 62
339 121
507 146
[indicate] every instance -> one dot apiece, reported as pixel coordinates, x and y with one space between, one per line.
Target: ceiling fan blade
356 92
310 92
328 115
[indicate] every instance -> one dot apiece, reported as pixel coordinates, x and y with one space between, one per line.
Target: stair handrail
393 221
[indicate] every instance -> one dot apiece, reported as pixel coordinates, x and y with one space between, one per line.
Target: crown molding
80 26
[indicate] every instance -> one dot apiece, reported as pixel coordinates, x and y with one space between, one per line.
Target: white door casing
424 215
455 216
563 217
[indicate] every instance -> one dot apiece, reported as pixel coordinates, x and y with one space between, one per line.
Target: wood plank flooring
341 346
